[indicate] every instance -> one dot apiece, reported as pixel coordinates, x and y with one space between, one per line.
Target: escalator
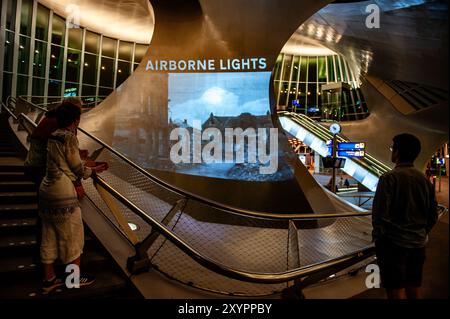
366 170
151 227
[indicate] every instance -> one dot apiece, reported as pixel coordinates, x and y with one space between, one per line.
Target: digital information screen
351 153
351 146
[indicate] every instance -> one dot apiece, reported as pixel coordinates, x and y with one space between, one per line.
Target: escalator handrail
376 162
9 111
325 135
212 203
266 278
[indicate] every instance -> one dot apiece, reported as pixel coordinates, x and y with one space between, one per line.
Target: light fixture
70 60
103 68
86 64
133 226
53 56
36 51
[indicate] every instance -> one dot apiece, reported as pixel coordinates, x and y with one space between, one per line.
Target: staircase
20 272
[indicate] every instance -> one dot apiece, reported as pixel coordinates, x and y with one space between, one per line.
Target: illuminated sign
348 149
351 146
70 92
248 64
351 153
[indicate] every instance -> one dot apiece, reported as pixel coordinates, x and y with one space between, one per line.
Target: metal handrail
212 203
267 278
217 205
9 111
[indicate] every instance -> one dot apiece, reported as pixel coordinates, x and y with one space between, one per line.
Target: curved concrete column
234 45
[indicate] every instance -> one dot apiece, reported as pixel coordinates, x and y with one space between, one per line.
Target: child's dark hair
68 112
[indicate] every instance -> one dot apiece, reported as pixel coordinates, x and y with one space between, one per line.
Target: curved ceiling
128 20
410 45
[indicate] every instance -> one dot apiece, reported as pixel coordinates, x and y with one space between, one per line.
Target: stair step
8 226
107 284
11 269
18 210
11 168
8 153
15 244
17 186
18 197
13 176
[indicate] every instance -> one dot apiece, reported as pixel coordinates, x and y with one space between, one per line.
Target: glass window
140 51
123 71
25 18
312 69
88 90
71 89
56 62
42 17
92 42
7 84
303 68
125 50
11 6
90 69
104 92
302 96
312 94
344 70
277 68
58 30
54 88
75 38
296 68
73 65
109 47
287 67
338 68
40 56
22 85
38 87
107 72
322 70
330 69
9 51
283 93
24 55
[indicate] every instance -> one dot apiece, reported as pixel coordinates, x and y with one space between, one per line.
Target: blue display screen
351 146
351 153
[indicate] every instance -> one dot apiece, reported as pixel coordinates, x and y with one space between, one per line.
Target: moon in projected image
214 95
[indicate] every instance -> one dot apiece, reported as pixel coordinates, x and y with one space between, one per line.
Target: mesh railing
261 244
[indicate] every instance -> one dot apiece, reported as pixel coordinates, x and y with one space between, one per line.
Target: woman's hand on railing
100 167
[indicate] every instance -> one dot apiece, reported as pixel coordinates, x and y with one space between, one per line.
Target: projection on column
218 120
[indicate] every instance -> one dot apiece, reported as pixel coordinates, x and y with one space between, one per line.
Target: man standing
404 211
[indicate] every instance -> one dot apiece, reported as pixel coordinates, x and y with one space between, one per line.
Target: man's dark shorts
399 267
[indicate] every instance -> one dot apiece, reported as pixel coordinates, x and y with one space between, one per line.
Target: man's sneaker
50 285
86 280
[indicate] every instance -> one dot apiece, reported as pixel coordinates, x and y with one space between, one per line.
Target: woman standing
59 208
